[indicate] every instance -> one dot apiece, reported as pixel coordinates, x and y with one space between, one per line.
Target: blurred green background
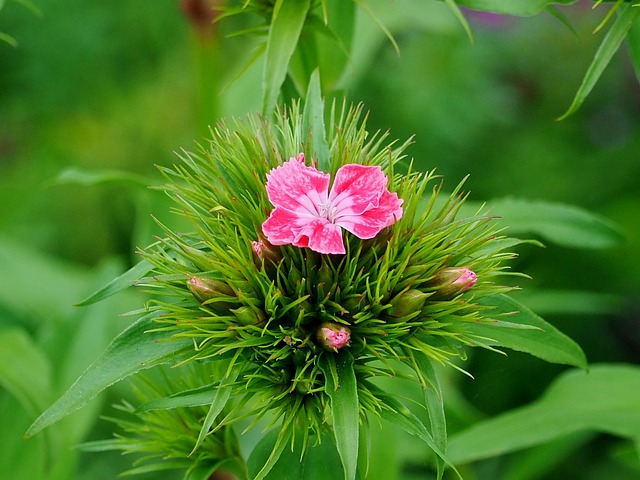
95 94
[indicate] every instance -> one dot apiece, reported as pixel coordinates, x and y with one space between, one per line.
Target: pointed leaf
512 7
633 40
404 418
344 407
220 398
77 176
135 349
124 281
563 224
609 46
604 399
272 449
189 398
320 461
284 32
435 404
538 337
313 118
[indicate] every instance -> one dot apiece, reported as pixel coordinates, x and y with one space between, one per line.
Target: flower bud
205 288
217 296
249 316
450 282
407 303
333 336
265 252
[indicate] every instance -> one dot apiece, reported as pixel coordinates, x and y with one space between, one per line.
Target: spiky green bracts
258 311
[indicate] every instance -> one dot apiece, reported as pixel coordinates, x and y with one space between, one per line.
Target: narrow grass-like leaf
220 398
135 349
609 46
455 9
313 122
87 178
344 407
284 32
605 399
512 7
543 341
4 37
565 225
435 404
122 282
273 448
319 462
633 40
189 398
401 416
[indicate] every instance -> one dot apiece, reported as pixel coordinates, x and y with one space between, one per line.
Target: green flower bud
407 303
333 336
450 282
249 316
217 296
205 288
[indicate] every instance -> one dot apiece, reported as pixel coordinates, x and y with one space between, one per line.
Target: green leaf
271 449
284 33
573 302
604 399
344 407
633 40
220 399
537 338
512 7
401 416
609 46
319 462
24 371
189 398
5 37
334 41
88 178
460 17
435 404
565 225
135 349
313 122
124 281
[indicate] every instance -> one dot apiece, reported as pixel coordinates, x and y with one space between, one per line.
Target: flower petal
357 188
321 236
368 224
297 188
279 226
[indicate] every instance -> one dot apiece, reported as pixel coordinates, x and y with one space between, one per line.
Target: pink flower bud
333 336
265 252
454 281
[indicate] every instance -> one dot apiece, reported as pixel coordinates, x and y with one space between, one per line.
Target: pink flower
333 336
307 214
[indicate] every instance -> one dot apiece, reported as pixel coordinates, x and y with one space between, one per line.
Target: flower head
308 214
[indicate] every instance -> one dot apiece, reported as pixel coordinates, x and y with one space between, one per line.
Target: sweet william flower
308 214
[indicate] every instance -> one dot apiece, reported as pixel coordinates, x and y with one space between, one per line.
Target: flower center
326 210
